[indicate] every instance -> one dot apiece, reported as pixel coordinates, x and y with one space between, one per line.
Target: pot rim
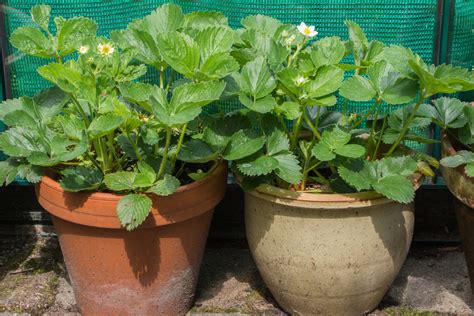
98 209
331 200
96 195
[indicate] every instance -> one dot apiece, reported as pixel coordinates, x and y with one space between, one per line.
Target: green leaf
32 41
469 168
20 118
390 85
358 173
214 40
49 102
8 171
374 51
187 101
104 124
442 78
120 181
358 39
218 66
323 152
167 18
256 167
66 78
41 14
462 157
466 133
180 51
357 88
138 93
201 19
10 105
328 79
277 139
19 142
256 79
290 110
327 51
166 186
80 178
31 173
146 175
395 187
288 167
133 209
265 24
242 144
350 150
449 112
197 151
404 165
196 95
398 57
75 32
262 105
218 131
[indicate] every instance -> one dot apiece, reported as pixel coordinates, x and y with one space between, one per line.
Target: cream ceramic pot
329 254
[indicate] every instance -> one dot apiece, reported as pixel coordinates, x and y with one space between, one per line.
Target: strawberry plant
289 84
100 127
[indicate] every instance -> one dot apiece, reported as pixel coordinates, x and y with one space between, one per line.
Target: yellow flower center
307 31
105 50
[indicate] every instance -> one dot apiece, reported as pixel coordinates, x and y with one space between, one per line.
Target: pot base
465 218
327 257
151 271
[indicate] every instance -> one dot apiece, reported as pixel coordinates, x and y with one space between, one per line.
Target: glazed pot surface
152 270
327 254
460 185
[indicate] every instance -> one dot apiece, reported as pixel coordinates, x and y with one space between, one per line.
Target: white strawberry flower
106 49
83 49
307 30
300 80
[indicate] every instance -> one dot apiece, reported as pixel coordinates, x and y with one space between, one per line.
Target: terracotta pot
152 270
462 187
330 254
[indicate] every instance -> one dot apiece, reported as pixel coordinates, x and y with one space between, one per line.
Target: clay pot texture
152 270
329 254
462 187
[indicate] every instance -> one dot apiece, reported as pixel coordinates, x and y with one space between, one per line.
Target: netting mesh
461 50
411 23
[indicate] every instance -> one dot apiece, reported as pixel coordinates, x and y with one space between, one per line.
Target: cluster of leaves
289 79
457 119
101 129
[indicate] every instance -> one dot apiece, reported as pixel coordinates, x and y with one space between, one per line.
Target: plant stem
374 156
170 81
344 110
366 115
134 146
311 126
406 126
80 110
94 162
165 153
162 78
110 143
178 148
372 131
296 130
